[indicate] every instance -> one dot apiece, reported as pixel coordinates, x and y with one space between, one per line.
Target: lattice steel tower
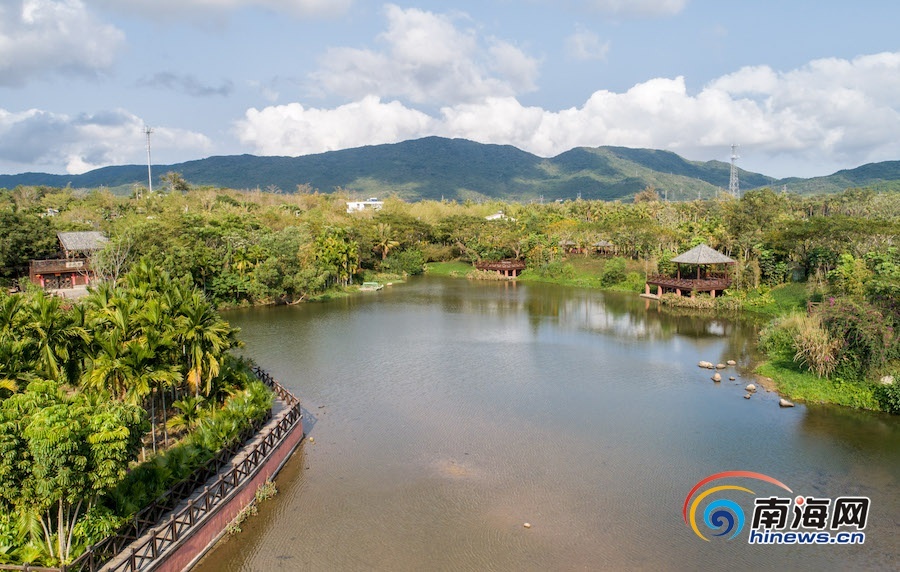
733 184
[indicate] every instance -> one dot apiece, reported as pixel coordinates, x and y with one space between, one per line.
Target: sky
805 88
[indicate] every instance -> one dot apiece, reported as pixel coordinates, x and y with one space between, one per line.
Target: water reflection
450 412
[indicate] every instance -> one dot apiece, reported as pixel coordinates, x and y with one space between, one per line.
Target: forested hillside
457 169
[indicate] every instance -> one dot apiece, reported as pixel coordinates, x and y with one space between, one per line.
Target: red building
72 267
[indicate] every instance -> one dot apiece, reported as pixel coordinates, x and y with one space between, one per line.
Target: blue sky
805 87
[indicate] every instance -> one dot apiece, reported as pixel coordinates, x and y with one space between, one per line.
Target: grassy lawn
804 386
782 299
454 268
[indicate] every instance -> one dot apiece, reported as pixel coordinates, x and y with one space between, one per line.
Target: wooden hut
72 266
710 274
508 268
604 247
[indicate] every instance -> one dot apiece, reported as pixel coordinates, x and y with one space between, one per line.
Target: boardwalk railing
169 532
713 283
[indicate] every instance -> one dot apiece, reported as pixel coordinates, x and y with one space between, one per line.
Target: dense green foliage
257 248
59 454
80 386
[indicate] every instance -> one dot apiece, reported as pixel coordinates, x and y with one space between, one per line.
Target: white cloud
295 130
428 58
643 8
829 112
168 8
86 141
586 45
42 36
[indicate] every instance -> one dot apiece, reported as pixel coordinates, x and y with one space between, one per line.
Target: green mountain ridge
459 169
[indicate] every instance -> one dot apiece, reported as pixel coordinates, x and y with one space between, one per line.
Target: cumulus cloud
586 45
427 57
164 8
295 130
641 8
85 141
831 111
38 37
186 83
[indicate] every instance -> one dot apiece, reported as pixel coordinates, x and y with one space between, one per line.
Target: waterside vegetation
794 254
107 402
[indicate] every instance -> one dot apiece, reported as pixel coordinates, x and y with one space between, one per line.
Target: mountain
435 167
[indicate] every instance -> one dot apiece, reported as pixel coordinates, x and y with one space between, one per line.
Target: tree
204 338
175 182
59 454
109 263
648 195
55 338
384 239
23 237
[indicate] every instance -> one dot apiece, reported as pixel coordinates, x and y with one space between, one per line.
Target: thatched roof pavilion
701 256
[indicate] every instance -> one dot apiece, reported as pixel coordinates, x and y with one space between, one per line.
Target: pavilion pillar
678 291
647 289
692 293
712 293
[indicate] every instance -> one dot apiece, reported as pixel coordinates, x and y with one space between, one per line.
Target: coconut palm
384 239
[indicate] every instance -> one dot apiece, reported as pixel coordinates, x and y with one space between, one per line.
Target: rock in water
731 362
746 396
527 525
716 377
732 378
750 387
720 366
706 364
785 403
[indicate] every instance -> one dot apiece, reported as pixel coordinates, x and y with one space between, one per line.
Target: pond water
444 414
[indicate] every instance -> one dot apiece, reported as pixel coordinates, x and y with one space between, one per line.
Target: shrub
888 397
411 262
868 341
777 337
556 269
613 272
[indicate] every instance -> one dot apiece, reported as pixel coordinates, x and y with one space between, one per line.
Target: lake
443 414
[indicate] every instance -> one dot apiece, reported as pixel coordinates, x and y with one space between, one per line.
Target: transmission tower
733 184
148 131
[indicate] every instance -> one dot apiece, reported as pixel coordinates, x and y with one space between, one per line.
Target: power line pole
733 184
148 131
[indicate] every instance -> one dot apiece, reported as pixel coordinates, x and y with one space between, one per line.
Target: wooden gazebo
508 268
710 276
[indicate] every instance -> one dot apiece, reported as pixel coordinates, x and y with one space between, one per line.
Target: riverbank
763 303
802 386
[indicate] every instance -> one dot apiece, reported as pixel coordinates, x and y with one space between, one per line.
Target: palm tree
384 239
191 411
54 337
204 338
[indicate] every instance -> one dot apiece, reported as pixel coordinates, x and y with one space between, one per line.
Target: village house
72 266
369 204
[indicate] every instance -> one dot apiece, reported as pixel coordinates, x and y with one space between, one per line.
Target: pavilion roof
702 254
82 241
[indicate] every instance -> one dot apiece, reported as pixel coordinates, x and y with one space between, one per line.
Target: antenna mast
148 131
733 184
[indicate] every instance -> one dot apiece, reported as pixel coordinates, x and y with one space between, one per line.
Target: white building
368 204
